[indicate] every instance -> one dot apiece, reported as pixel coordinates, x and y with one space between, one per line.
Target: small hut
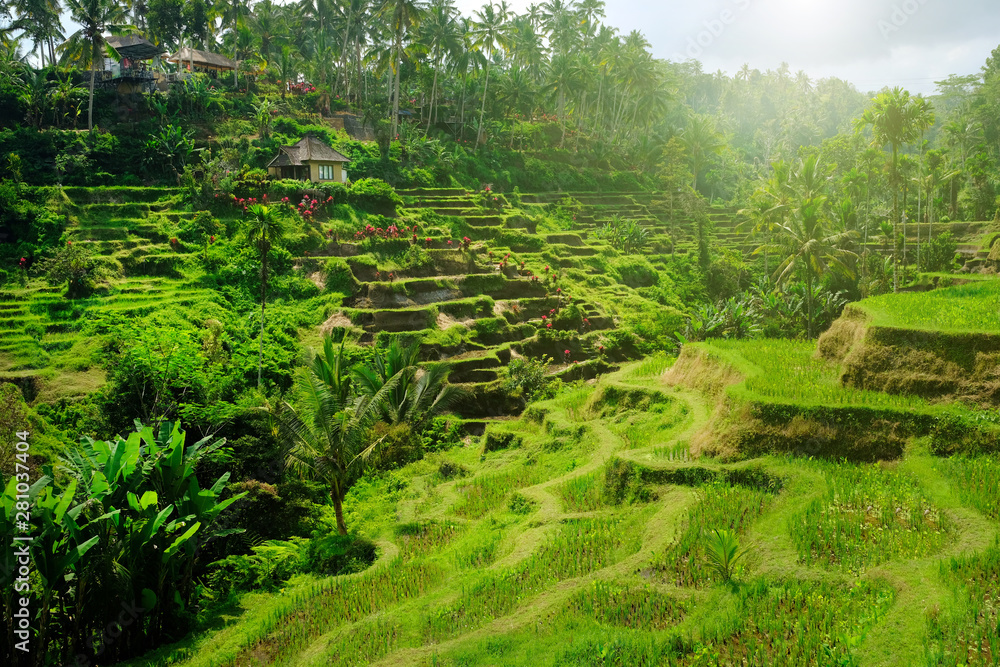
210 63
309 160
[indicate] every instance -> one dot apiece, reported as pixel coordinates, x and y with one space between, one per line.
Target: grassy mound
779 396
942 344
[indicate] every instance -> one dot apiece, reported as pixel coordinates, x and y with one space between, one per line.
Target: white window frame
326 172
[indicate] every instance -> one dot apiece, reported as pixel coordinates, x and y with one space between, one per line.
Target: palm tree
403 15
263 231
87 45
439 35
487 35
420 392
331 434
39 20
804 238
893 117
562 79
701 139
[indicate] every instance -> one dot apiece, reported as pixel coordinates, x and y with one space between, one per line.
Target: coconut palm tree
263 231
330 432
805 238
701 140
893 117
419 394
439 35
403 17
38 20
488 34
87 45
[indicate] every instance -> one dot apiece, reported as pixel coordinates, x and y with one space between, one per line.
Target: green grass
721 507
977 481
584 493
869 515
968 633
786 371
970 308
793 623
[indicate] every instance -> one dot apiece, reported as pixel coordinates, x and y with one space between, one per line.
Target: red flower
211 239
566 352
549 325
544 317
69 243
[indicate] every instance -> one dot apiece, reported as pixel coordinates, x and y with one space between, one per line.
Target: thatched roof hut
203 60
309 159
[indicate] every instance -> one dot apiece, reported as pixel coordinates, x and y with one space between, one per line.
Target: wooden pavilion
131 73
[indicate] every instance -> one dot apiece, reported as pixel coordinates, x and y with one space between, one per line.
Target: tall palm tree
563 77
439 35
804 237
893 117
488 34
403 16
701 140
263 231
330 433
87 45
39 20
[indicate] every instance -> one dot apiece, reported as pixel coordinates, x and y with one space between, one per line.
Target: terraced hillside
476 303
579 535
507 290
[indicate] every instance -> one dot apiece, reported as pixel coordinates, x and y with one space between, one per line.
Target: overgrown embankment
779 396
944 345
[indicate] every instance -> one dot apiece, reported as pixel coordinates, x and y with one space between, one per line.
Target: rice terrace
418 333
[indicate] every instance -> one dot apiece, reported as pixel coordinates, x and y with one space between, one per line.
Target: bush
450 470
375 196
634 272
623 483
269 566
338 554
440 434
338 276
497 441
526 377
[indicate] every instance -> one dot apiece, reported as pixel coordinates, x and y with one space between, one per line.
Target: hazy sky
871 43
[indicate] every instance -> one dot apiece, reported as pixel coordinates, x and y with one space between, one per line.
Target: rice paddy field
596 549
598 536
969 308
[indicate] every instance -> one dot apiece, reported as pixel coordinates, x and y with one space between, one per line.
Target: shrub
338 276
623 483
374 195
526 378
450 470
76 267
502 440
634 271
441 433
338 554
627 236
